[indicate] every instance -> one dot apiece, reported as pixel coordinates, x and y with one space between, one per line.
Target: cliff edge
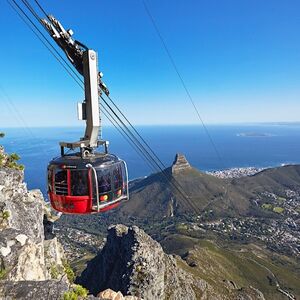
31 265
133 263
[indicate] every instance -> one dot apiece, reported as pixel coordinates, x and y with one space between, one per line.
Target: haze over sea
257 145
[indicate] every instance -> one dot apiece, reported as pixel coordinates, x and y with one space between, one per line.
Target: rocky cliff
133 263
31 266
180 163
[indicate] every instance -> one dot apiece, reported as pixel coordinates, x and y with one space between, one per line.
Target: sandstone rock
180 163
109 294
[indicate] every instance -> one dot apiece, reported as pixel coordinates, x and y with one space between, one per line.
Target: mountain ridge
152 197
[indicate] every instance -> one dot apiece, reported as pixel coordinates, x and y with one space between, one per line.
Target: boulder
109 294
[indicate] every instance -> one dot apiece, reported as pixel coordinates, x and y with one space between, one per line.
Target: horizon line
171 124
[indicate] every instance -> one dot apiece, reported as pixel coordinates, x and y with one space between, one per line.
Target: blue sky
240 61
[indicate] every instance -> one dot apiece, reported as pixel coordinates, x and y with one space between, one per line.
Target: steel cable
150 160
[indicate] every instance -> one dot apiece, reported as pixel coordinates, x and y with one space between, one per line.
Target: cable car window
125 179
79 183
117 175
104 181
50 181
61 183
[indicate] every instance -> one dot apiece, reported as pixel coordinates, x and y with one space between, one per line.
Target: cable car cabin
94 184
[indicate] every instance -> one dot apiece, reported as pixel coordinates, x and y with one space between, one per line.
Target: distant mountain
154 197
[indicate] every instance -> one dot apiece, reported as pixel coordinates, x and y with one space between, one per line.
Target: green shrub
54 272
281 199
2 274
182 227
70 295
267 206
14 157
80 291
68 270
2 134
10 161
3 270
76 292
5 214
278 209
14 165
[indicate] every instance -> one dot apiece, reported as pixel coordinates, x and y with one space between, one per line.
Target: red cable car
87 185
86 181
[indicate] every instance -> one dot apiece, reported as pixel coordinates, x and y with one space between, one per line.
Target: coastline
239 172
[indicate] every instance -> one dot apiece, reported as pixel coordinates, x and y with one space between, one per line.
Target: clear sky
240 61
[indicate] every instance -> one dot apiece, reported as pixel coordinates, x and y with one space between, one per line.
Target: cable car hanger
87 181
85 62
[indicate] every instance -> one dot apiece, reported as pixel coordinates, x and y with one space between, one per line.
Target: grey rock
37 290
28 262
25 207
133 263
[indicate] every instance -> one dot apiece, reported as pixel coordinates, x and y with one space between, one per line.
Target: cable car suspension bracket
85 61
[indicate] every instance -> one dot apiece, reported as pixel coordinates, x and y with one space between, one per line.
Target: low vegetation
69 271
278 210
267 206
5 215
10 160
77 292
2 274
3 270
54 272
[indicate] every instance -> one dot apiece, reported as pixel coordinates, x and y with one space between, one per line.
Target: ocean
259 145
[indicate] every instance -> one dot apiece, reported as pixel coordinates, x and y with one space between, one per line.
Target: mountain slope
153 197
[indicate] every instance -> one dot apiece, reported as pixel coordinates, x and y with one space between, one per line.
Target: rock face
180 163
29 290
25 254
134 264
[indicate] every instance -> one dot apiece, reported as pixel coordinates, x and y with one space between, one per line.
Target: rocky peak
134 264
180 163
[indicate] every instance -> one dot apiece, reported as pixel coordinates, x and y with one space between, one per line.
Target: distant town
236 172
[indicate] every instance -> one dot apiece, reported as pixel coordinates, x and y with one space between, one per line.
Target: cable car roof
75 160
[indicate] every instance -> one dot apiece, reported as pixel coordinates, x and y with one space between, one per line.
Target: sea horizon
238 146
248 123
